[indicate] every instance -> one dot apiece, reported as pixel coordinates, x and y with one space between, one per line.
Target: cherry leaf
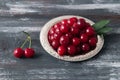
100 24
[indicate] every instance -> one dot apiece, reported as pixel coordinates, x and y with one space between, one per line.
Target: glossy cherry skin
51 38
57 25
74 31
57 36
18 52
87 25
65 21
55 44
64 28
90 31
64 40
85 47
29 52
82 22
61 50
57 30
71 22
93 41
74 19
84 38
71 50
70 35
52 31
76 41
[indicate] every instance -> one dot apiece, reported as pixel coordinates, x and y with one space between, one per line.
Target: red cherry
64 28
29 52
84 38
71 22
55 44
90 31
73 19
69 35
85 47
71 50
61 50
57 25
76 41
57 36
64 40
18 52
51 38
75 25
93 41
80 25
52 31
57 30
65 21
87 25
74 30
82 22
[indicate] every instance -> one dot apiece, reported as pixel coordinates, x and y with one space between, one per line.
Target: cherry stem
27 39
24 43
30 41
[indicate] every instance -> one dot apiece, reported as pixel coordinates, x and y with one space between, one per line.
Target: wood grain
31 15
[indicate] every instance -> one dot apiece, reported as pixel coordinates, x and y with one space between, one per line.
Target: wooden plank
31 15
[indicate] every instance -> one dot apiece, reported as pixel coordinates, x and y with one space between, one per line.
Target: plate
45 44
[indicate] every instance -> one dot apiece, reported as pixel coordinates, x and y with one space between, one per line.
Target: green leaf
100 24
104 30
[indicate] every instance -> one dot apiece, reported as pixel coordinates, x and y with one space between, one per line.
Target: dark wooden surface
31 15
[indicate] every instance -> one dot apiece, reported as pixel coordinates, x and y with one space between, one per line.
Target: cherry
18 52
52 31
71 50
80 25
76 25
87 25
85 47
61 50
64 40
90 31
74 30
84 38
64 28
93 41
57 30
71 22
55 44
73 19
51 38
29 52
57 25
65 21
57 36
69 35
82 22
76 41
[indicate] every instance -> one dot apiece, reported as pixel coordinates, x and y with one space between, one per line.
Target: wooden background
31 15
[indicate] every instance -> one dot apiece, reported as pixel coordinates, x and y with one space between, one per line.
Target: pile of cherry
73 36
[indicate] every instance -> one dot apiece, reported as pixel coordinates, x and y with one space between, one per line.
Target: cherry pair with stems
28 52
